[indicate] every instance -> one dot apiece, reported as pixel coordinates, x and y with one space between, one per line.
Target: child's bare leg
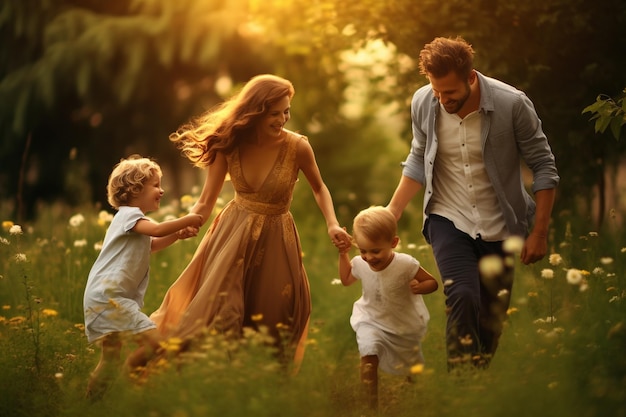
148 342
107 368
369 378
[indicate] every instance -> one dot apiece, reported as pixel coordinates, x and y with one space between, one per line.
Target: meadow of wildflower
563 351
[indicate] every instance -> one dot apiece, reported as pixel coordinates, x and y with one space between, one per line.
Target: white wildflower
574 276
514 244
16 229
606 260
555 259
20 257
550 319
76 220
335 281
80 243
491 266
547 273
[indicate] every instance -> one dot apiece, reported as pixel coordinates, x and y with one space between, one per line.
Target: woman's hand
340 238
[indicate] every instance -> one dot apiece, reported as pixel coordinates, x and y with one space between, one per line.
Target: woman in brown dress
248 270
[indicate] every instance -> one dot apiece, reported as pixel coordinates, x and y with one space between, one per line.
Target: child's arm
423 282
164 233
345 269
158 243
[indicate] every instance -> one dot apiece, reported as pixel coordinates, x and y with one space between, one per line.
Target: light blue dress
118 280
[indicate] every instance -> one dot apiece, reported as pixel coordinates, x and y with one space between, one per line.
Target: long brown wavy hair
222 128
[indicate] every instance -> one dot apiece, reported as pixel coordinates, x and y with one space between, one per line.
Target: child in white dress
118 279
390 318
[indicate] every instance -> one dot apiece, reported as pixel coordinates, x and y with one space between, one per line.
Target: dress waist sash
267 209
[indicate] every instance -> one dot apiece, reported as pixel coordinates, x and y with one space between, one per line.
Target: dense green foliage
84 83
561 353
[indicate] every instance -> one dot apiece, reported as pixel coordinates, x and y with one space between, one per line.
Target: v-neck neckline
278 157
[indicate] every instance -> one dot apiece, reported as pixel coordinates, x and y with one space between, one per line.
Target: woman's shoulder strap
294 136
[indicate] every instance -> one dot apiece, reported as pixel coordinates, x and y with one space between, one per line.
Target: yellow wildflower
104 217
417 368
17 320
173 344
48 312
186 201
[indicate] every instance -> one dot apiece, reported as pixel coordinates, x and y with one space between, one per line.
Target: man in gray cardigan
470 135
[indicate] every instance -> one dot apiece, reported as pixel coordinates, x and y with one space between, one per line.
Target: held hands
192 230
196 219
340 238
187 232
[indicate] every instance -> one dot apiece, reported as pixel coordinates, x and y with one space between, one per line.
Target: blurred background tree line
84 83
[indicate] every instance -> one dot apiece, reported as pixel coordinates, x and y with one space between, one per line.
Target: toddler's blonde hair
375 223
128 178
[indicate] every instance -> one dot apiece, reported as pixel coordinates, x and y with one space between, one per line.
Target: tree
560 52
109 79
84 83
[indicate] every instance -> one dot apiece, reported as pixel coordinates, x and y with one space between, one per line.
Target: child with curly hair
118 279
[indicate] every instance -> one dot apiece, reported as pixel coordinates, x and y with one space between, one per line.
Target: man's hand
535 248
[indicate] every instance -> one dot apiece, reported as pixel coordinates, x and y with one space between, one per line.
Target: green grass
575 365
